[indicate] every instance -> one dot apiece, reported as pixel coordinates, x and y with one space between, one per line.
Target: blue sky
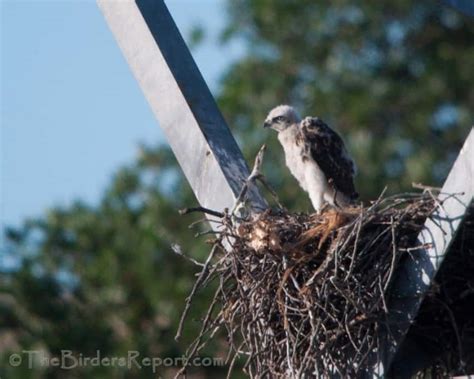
71 111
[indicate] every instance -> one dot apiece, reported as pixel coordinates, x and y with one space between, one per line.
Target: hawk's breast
294 161
296 158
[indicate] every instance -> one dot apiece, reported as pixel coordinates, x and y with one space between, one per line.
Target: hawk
316 156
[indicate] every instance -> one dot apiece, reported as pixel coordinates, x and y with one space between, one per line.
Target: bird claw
323 209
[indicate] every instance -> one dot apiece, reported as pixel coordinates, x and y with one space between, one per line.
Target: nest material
302 295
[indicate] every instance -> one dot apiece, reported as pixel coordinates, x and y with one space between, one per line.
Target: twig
425 187
254 175
186 211
178 250
193 291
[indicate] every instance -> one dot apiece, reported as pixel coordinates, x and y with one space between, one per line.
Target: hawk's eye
279 119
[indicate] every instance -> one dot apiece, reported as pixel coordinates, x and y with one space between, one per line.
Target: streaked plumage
316 156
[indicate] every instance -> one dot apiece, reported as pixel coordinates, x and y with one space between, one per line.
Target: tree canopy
395 78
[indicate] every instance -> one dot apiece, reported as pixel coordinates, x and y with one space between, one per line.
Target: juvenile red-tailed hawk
316 156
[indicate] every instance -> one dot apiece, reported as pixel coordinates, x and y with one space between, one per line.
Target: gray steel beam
180 99
414 277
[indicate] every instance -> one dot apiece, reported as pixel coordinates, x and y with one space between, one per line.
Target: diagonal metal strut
414 277
180 99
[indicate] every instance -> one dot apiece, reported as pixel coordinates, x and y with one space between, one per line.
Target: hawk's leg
326 206
334 199
316 185
317 199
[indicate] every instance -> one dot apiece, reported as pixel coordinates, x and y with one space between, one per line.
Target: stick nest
302 295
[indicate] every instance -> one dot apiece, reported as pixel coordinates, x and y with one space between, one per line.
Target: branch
186 211
255 175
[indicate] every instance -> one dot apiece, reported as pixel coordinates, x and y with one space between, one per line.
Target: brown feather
327 149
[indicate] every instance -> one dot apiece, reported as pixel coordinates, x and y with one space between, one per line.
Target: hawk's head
281 117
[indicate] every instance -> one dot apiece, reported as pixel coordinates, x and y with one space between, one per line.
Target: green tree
103 278
393 77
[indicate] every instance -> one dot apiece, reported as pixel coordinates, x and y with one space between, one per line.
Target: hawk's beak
267 124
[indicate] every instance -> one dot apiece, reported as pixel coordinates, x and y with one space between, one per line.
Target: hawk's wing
327 149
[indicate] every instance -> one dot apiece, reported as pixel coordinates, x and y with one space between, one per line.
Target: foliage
393 77
103 278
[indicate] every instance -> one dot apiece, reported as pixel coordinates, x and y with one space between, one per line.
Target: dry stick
382 295
232 363
204 220
359 225
346 326
251 179
178 250
195 344
344 295
261 179
193 291
423 187
186 211
255 175
430 192
394 256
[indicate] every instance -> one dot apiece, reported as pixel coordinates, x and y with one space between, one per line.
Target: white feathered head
281 117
